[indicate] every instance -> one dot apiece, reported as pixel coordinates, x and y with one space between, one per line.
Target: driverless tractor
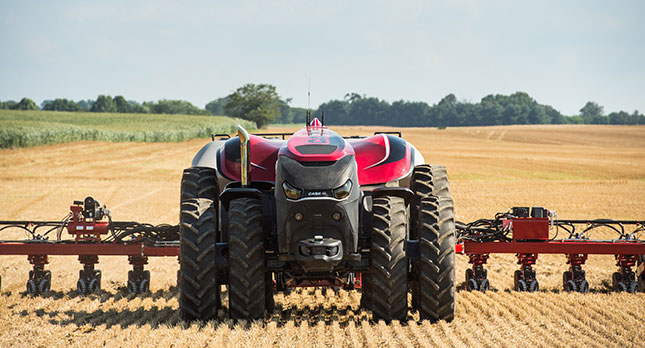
262 214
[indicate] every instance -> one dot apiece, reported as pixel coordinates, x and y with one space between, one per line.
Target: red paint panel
525 229
264 155
372 154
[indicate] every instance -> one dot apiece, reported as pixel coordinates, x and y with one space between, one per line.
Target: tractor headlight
343 191
290 191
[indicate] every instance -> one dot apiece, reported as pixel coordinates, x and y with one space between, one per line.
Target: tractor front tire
247 274
387 281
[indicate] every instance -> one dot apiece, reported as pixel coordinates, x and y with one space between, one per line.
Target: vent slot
316 149
316 163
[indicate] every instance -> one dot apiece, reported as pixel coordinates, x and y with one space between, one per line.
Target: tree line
517 108
261 104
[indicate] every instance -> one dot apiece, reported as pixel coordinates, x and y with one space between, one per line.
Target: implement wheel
199 290
387 295
247 274
433 224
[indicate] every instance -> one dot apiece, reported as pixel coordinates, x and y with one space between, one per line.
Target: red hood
379 158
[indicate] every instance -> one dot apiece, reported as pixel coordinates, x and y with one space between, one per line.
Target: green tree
537 115
591 111
258 103
621 117
121 105
216 107
61 104
86 104
24 104
166 106
103 103
336 112
139 108
7 105
446 111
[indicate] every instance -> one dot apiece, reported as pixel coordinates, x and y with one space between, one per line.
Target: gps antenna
322 116
309 102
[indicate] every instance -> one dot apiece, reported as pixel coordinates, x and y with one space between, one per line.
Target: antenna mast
308 102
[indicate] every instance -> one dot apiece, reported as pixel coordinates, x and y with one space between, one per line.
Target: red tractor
262 214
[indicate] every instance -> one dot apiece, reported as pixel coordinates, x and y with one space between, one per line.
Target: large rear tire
387 281
433 224
247 275
199 290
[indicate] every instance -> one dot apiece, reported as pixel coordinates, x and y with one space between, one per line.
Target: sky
562 53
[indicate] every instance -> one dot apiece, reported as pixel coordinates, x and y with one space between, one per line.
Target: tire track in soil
29 204
137 199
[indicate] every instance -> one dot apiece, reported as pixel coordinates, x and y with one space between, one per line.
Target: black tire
566 277
534 286
132 286
32 287
484 285
437 258
471 285
95 284
616 280
81 287
199 289
521 285
633 288
388 275
366 289
144 284
247 274
469 273
199 183
517 275
584 287
44 286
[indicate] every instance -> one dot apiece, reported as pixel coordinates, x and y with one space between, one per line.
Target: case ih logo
317 194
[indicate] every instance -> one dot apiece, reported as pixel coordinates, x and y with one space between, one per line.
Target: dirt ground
580 171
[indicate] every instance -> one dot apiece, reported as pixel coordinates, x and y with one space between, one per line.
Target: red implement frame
530 238
87 249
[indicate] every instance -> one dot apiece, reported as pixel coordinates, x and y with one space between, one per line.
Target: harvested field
580 171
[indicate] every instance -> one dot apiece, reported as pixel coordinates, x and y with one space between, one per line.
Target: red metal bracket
38 260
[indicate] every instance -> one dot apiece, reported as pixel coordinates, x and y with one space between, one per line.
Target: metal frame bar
556 247
44 248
